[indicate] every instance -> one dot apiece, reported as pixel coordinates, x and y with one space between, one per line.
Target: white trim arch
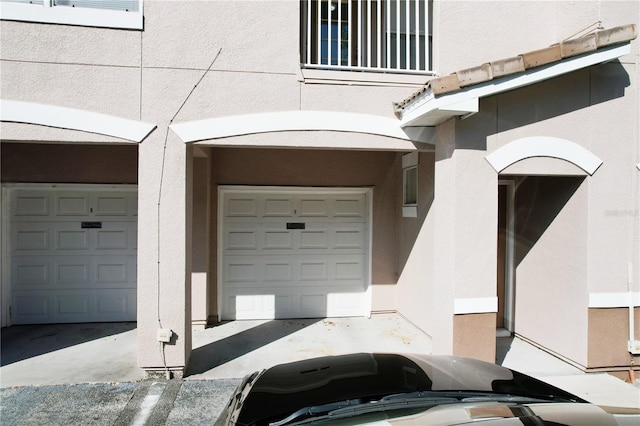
74 119
291 121
543 146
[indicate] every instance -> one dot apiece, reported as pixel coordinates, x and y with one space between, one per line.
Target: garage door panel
241 206
277 240
241 239
71 205
27 237
32 204
72 272
69 237
30 272
111 205
30 306
72 305
277 271
112 239
64 271
313 239
282 207
352 207
313 207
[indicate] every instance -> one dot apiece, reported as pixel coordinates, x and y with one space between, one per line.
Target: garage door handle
295 225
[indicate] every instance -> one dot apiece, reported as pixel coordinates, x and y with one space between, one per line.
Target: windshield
396 405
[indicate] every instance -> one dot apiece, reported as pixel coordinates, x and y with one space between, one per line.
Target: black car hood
285 388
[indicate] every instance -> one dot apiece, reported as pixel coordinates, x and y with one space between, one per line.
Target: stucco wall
468 34
551 264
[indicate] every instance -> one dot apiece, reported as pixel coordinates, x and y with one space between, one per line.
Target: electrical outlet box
164 335
634 347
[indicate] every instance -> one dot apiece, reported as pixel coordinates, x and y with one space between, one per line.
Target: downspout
633 344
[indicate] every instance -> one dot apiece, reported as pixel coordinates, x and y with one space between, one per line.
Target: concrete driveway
106 352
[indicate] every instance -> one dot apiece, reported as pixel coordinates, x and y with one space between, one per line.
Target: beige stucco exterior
575 234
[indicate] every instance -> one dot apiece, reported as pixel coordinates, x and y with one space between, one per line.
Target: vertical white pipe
388 36
417 32
369 33
319 31
379 32
339 32
632 331
360 32
329 32
398 34
350 27
309 60
407 22
427 65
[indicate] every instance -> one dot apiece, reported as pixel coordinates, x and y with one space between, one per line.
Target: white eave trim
74 119
429 110
543 146
475 305
614 300
214 129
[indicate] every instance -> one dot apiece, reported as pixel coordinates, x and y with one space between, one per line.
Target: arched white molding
543 146
286 121
74 119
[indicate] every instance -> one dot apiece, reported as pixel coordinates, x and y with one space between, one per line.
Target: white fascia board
287 121
614 300
543 146
74 119
87 17
475 305
452 104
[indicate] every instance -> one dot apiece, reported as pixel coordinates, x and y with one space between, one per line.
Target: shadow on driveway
21 342
236 345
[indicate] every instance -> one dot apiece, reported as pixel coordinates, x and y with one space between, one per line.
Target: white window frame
409 163
43 11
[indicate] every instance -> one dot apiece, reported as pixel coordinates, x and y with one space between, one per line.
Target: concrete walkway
87 373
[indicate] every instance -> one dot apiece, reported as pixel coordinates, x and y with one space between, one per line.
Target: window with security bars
375 35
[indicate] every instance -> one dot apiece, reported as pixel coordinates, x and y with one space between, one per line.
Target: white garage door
73 255
294 253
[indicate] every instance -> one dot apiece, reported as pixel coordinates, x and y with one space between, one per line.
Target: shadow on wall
539 102
21 342
539 200
229 348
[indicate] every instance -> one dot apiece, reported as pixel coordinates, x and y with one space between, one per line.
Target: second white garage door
294 253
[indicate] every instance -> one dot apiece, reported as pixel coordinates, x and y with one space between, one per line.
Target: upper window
93 13
375 35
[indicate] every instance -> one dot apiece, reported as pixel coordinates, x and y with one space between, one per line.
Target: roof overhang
229 130
427 109
74 119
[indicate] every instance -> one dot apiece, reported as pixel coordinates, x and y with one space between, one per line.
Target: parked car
407 389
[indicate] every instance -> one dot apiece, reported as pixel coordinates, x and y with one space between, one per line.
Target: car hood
285 388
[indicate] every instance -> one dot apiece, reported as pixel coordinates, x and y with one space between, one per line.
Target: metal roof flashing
458 94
